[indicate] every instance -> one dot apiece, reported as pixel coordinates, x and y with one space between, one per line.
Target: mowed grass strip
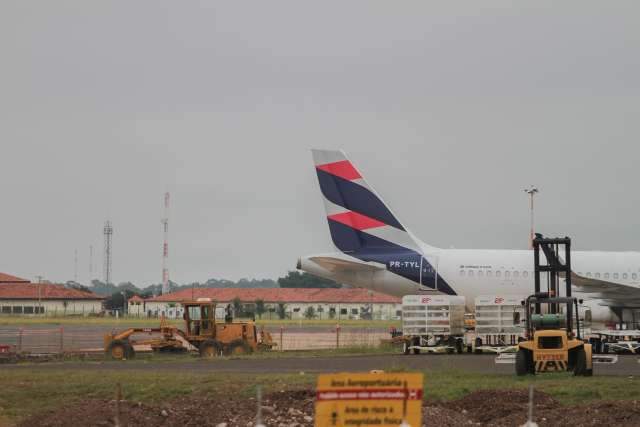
151 322
28 391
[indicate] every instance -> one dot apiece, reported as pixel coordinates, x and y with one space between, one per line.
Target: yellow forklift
553 341
203 333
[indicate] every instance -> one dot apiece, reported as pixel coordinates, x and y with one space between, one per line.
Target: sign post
380 399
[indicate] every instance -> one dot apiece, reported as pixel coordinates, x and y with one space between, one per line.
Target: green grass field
145 322
27 391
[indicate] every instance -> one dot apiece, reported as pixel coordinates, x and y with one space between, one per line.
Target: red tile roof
43 291
7 278
289 295
135 298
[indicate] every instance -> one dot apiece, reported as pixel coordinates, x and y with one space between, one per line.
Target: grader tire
120 350
210 349
238 348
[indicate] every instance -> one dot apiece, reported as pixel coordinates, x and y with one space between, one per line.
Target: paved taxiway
627 365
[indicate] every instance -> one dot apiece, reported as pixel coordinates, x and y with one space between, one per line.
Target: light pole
531 191
124 303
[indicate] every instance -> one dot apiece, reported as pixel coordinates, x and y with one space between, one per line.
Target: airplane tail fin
358 218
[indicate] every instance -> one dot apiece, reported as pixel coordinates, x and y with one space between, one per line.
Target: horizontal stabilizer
337 264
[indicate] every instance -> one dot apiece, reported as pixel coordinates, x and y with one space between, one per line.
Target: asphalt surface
627 365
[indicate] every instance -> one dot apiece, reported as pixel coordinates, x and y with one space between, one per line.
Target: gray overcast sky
450 109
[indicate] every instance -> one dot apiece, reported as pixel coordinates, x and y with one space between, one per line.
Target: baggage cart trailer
499 324
432 324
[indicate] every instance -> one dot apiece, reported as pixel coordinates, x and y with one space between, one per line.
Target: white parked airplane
378 252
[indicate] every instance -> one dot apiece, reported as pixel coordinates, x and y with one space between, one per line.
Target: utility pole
531 191
165 246
75 266
39 278
90 264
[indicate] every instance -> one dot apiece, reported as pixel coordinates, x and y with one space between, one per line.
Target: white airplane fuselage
475 272
377 251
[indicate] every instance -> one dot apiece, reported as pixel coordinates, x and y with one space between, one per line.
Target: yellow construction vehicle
551 344
553 340
202 333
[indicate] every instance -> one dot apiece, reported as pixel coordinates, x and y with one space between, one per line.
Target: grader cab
202 333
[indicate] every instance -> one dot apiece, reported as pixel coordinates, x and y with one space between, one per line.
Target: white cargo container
499 323
433 323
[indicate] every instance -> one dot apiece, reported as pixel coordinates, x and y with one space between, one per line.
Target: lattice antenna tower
165 246
108 233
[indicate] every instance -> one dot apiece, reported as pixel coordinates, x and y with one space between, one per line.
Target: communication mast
165 246
90 263
108 232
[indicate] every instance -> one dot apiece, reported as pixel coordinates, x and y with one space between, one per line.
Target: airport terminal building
326 303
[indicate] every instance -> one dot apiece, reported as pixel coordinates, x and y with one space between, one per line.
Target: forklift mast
556 268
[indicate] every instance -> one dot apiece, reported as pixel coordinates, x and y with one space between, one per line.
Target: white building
24 298
316 303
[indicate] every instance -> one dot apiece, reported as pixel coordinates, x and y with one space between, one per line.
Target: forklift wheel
237 348
581 363
210 349
120 350
522 363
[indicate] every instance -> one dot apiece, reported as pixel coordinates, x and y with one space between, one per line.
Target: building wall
381 311
50 307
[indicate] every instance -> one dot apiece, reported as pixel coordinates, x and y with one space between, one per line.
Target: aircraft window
462 272
498 273
507 273
480 273
606 275
624 276
615 275
525 274
588 274
634 276
488 273
516 274
470 272
597 275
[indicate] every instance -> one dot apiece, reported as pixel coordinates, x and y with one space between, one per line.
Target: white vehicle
376 251
433 323
499 323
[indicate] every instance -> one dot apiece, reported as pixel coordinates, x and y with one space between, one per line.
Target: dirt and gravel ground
282 408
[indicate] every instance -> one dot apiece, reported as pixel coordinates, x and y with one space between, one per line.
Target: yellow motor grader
202 333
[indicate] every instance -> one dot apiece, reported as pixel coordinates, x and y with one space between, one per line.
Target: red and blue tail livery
364 228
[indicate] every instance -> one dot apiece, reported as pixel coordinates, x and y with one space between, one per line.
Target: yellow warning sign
363 400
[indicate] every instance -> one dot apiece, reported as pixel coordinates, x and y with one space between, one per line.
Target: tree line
118 294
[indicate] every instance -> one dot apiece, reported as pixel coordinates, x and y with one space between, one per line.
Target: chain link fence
58 340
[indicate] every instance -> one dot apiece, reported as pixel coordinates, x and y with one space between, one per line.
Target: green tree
295 279
281 310
237 307
260 308
310 313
